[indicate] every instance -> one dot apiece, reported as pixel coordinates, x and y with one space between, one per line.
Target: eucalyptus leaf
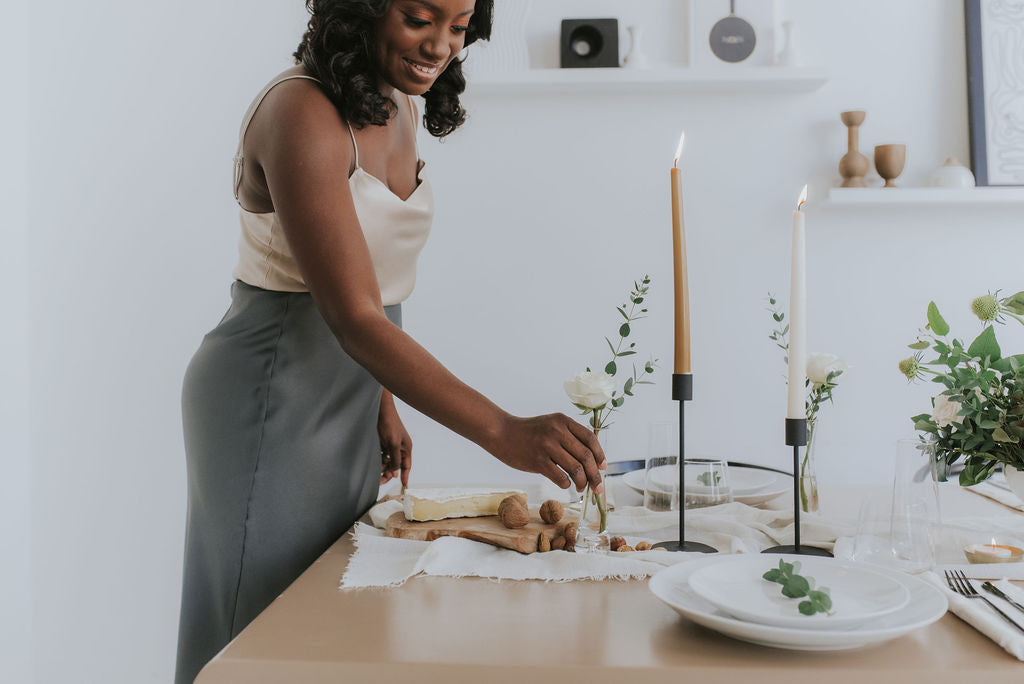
985 345
936 321
624 330
922 344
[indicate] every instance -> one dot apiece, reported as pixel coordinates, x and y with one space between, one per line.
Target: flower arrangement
596 393
979 416
823 371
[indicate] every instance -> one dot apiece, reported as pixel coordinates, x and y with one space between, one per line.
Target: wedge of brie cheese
453 502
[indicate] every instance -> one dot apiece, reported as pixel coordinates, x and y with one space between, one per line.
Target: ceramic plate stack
751 486
728 594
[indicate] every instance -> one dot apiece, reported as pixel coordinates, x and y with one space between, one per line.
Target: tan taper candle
680 283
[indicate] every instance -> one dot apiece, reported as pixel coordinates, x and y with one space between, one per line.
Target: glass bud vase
808 476
593 519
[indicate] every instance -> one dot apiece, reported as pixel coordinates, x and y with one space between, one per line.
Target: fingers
583 461
556 475
590 441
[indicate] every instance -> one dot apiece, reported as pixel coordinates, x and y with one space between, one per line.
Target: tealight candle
993 553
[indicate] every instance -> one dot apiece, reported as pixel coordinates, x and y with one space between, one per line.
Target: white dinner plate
858 594
927 604
779 484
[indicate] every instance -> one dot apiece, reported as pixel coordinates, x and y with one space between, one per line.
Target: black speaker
590 43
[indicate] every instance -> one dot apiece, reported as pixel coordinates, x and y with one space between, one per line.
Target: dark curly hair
336 49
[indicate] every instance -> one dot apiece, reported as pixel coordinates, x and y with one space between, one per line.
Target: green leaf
985 345
796 587
618 402
922 344
807 608
611 346
638 300
610 368
624 330
999 434
627 388
773 575
936 322
623 312
628 352
1015 303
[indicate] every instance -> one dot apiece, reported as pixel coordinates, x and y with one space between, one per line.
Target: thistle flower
911 367
986 307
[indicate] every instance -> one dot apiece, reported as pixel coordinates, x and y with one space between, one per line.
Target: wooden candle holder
854 165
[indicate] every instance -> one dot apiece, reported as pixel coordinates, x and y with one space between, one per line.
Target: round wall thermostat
732 38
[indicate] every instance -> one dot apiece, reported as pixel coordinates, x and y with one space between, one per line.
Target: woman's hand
395 443
556 446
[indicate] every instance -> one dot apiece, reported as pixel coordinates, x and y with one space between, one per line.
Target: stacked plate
751 486
728 594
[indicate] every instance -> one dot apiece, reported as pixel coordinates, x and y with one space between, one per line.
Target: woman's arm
305 153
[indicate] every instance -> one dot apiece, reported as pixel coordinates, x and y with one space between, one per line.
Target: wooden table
437 629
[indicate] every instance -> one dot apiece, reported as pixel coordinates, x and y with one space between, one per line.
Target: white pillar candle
798 316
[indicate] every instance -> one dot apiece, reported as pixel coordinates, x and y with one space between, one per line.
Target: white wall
15 455
548 208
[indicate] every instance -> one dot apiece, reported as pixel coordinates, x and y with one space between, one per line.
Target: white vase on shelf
788 56
636 59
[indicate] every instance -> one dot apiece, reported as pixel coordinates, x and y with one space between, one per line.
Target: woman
288 432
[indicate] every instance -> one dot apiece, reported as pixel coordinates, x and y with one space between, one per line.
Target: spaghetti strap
239 159
355 147
415 126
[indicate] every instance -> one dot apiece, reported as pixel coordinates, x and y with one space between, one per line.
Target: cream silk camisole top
395 230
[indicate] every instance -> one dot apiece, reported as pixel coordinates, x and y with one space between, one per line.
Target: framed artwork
995 89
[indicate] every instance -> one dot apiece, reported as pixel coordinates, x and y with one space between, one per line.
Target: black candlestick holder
796 436
682 391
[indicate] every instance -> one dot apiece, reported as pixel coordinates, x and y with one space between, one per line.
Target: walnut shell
643 546
570 536
616 542
558 543
625 548
543 543
512 513
551 511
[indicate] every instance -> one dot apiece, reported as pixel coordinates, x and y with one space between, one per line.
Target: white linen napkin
732 528
1003 496
981 616
986 571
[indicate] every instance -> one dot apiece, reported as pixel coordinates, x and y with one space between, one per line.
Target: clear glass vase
808 475
592 529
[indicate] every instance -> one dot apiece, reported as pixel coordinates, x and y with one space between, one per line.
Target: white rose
589 389
819 366
946 411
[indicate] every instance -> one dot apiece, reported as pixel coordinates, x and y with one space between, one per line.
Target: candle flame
803 199
679 150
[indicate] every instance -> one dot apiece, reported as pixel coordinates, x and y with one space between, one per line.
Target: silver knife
993 589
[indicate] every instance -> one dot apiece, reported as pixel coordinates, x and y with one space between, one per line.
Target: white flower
946 411
819 366
592 390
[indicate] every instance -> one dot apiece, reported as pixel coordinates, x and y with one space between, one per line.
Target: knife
993 589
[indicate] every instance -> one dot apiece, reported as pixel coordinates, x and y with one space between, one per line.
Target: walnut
512 512
643 546
625 548
543 543
570 536
551 511
616 542
558 543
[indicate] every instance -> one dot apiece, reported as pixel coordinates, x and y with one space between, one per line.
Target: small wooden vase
889 162
854 165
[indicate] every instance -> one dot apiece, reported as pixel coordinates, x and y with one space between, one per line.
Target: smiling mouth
427 70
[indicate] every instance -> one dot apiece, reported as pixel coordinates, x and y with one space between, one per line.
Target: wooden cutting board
486 529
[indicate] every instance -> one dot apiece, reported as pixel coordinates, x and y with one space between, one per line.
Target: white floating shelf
946 197
664 80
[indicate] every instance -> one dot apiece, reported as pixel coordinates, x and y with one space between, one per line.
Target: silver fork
959 583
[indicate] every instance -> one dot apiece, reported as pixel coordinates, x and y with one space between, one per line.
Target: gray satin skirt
283 456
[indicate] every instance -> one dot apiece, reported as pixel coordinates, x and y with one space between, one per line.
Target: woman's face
417 39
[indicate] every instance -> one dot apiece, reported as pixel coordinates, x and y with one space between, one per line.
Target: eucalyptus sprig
595 394
795 585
